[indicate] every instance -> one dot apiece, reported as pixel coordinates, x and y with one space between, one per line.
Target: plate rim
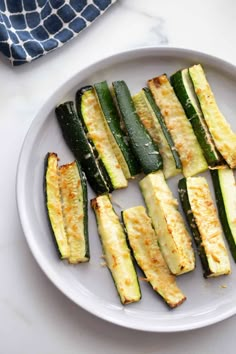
37 119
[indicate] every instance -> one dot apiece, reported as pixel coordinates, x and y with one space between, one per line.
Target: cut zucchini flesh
184 90
225 193
92 117
205 226
144 244
222 134
152 120
182 133
54 206
116 136
83 151
143 146
74 207
173 237
116 251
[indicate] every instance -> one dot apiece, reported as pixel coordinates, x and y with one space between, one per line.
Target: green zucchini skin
55 218
183 195
221 205
144 148
165 131
113 122
76 139
195 116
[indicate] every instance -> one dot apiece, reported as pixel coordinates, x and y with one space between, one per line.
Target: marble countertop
35 316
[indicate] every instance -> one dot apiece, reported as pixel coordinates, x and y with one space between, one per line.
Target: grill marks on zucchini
184 90
173 237
225 193
117 253
93 120
185 141
143 146
82 149
74 206
152 120
66 204
205 226
116 136
222 134
144 244
54 206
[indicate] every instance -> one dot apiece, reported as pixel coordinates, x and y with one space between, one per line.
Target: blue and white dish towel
32 28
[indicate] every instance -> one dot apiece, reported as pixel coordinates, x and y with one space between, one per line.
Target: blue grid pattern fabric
32 28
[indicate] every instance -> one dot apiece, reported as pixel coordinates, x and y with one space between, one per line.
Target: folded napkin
32 28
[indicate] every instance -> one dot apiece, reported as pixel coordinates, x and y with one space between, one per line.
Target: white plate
90 285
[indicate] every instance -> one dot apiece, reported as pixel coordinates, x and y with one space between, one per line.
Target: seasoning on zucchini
177 123
74 208
144 244
143 146
222 134
116 251
83 151
153 121
54 205
225 194
93 122
116 135
173 237
205 226
184 90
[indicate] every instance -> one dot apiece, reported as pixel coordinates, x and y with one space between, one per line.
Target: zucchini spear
143 146
153 121
222 134
205 226
144 244
184 90
182 133
117 253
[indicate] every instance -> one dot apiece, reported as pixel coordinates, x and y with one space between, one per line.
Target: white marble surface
35 316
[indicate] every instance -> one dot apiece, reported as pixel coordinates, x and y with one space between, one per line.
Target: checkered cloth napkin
32 28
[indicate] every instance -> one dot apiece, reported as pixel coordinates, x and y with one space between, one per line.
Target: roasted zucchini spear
225 193
173 237
144 244
184 90
66 204
222 134
82 149
144 148
154 123
182 133
205 226
118 139
73 188
116 251
54 205
92 118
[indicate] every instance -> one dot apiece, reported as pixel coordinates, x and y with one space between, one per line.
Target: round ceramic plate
90 285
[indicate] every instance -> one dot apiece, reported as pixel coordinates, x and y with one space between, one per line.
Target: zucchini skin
222 212
183 195
197 120
82 149
165 131
144 148
63 249
113 121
